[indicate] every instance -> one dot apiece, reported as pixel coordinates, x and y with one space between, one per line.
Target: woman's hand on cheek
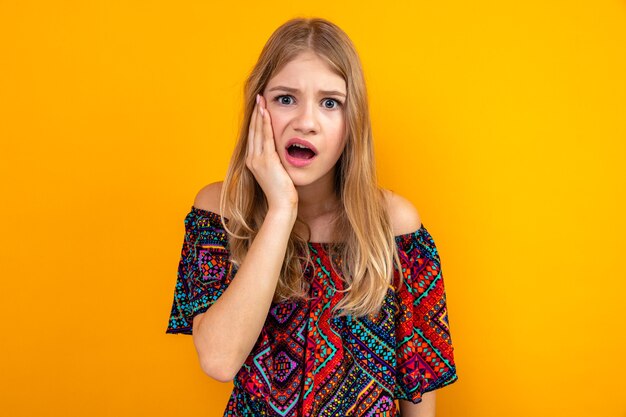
265 164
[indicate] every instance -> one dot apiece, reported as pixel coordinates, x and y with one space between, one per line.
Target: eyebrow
295 90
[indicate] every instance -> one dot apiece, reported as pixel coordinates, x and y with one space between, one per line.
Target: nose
306 119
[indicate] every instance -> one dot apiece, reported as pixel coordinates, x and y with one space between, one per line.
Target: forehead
307 70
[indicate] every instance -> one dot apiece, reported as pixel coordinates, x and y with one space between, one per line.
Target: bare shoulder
403 214
208 198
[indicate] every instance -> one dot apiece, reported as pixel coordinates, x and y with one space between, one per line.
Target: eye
283 99
331 100
286 100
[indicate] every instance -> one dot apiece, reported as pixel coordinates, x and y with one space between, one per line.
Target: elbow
217 363
217 371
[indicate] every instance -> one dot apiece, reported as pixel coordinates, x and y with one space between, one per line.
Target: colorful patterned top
307 363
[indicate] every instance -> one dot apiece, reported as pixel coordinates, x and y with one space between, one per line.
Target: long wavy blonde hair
365 259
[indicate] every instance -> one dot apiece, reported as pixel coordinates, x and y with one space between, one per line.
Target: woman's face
305 101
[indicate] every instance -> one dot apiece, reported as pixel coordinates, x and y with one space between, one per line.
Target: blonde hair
368 254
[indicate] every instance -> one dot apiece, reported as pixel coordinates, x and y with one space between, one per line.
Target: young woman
316 292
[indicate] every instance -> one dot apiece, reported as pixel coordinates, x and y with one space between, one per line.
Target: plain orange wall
505 124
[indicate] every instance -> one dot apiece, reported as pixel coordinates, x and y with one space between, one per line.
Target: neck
317 199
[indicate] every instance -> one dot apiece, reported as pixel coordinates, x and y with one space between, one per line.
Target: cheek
341 128
336 149
339 134
278 124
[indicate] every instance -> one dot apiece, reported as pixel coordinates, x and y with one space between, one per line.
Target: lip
297 162
302 142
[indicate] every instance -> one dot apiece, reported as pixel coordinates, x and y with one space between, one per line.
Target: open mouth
300 151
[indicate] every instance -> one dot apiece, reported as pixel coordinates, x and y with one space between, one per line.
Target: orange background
503 122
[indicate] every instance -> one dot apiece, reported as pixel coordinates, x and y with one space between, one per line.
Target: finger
268 133
251 131
258 130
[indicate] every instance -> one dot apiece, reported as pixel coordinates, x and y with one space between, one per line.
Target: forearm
425 408
229 329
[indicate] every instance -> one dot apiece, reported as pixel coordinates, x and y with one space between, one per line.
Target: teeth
297 145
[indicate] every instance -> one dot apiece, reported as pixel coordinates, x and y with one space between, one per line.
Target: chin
301 180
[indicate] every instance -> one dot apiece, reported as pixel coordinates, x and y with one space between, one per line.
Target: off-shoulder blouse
308 363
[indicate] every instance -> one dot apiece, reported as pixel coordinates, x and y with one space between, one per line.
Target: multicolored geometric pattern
306 363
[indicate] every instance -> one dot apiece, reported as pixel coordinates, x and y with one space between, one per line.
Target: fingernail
257 99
